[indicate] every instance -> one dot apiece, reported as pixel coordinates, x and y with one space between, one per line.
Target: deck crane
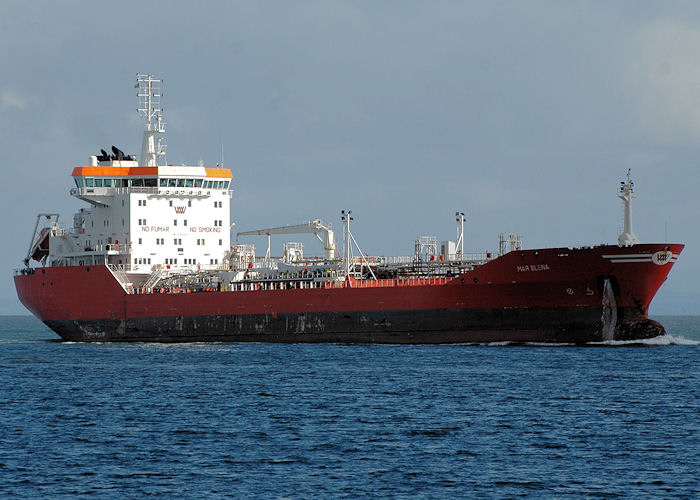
314 227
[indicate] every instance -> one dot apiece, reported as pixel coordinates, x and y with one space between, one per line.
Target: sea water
616 419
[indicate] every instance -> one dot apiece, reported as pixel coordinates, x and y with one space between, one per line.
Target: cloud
11 99
664 78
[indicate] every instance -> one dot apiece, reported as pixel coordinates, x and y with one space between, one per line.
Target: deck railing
108 191
263 285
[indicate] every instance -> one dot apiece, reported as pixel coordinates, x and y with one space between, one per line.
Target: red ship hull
546 295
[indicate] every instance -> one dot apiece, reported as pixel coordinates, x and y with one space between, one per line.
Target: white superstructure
145 217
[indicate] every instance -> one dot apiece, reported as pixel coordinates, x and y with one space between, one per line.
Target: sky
524 115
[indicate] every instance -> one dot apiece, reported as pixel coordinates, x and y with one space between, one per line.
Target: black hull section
548 325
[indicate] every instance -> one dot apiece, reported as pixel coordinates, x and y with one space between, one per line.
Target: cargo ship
151 259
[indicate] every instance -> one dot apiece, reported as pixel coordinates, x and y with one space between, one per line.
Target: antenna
149 94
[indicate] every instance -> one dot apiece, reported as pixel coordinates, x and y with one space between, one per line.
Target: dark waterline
215 420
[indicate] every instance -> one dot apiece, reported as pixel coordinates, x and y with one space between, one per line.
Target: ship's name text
533 267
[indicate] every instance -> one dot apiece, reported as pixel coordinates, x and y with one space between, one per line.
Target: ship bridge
98 184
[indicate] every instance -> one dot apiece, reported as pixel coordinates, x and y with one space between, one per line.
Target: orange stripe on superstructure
219 172
223 173
115 171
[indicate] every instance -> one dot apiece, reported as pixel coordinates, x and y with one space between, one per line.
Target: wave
661 340
655 341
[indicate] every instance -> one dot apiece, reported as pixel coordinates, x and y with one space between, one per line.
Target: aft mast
149 94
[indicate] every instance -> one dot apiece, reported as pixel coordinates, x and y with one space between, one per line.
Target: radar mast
149 94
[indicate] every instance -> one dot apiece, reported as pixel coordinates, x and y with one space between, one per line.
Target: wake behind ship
151 259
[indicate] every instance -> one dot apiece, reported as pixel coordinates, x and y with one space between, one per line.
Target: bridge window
198 183
89 182
172 183
226 184
164 183
107 183
189 183
181 183
137 182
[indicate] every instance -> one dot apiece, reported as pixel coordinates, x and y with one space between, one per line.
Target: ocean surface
348 421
